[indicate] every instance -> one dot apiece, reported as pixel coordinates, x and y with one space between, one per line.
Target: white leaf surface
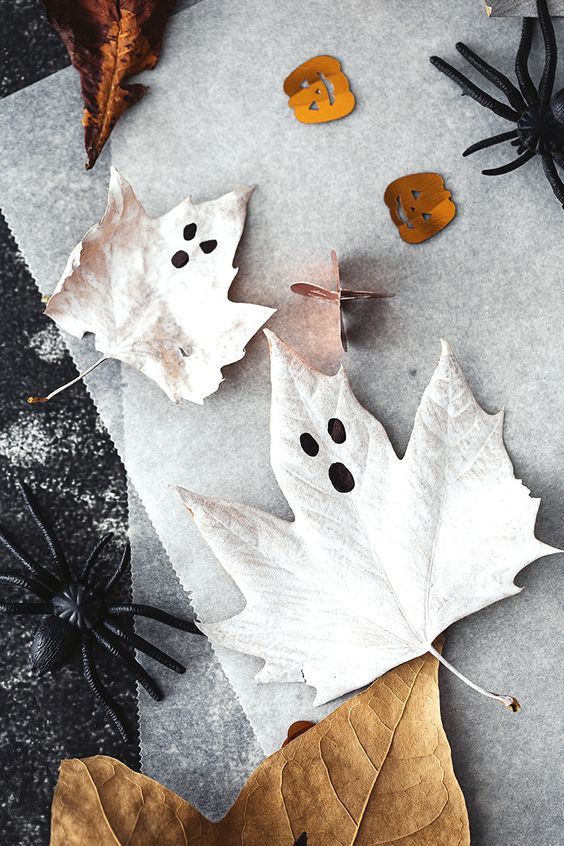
378 564
175 324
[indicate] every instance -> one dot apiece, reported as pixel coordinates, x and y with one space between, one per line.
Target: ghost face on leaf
154 290
384 553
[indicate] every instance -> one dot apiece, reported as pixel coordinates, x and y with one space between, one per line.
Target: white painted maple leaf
154 290
383 553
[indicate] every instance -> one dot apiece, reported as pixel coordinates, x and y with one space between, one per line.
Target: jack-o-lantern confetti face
419 205
319 91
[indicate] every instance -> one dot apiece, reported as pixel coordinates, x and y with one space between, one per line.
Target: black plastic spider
539 116
80 614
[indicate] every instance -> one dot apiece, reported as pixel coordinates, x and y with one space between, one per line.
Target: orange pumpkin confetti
319 91
420 206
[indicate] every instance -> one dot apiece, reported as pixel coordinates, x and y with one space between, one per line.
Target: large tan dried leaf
109 41
376 772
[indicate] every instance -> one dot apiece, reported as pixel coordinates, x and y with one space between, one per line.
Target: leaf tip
247 190
445 348
240 196
114 173
92 151
183 493
118 183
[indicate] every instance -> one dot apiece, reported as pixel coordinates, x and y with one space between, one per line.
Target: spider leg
489 142
31 585
111 645
46 530
507 168
499 79
526 84
551 54
93 680
519 144
23 608
95 554
44 576
553 177
156 614
121 569
473 91
144 646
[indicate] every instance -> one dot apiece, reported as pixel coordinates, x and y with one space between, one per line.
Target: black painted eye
208 246
341 478
190 231
309 444
337 431
180 258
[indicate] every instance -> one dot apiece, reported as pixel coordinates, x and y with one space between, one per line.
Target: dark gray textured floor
62 450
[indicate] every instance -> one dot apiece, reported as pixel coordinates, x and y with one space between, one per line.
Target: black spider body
80 615
538 114
76 609
541 131
78 605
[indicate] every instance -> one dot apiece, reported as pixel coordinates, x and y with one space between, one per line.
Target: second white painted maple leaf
154 290
383 554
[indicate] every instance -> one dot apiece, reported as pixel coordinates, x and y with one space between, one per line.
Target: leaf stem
508 701
34 400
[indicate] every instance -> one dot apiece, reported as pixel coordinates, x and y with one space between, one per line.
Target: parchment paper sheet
491 283
197 737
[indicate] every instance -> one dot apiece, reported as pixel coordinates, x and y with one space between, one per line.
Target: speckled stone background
64 452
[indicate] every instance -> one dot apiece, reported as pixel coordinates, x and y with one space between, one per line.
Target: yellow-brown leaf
376 772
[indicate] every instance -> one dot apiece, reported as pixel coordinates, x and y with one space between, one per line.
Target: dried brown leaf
108 41
378 770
